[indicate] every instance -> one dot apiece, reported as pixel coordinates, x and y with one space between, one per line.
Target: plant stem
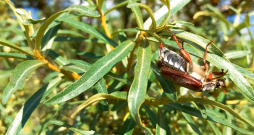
69 74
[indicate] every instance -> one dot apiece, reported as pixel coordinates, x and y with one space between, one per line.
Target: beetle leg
184 53
222 73
205 64
209 77
161 46
219 73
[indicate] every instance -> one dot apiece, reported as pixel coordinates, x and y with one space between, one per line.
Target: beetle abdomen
173 60
179 78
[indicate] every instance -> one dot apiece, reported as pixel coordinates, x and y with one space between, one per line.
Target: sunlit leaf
81 9
159 15
80 131
30 105
69 32
197 113
88 40
99 97
48 39
97 70
89 29
136 11
30 21
138 88
195 40
148 10
236 54
57 58
166 19
3 42
21 72
220 105
244 72
15 55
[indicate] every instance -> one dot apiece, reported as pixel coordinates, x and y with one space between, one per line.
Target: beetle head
220 83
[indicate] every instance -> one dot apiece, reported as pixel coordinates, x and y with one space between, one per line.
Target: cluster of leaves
126 77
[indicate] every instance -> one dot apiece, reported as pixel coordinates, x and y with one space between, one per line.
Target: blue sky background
34 12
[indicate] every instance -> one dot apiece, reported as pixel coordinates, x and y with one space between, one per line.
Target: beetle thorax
208 86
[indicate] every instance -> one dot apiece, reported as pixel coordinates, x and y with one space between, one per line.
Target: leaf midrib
139 78
105 65
25 73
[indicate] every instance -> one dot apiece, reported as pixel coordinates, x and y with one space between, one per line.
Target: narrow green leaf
138 15
191 122
5 73
115 86
220 105
48 39
30 21
128 127
57 21
50 76
138 88
82 66
151 78
81 9
121 104
159 15
195 40
69 32
99 97
166 19
148 10
219 15
121 78
30 105
2 42
80 131
15 55
21 72
244 72
116 7
88 40
89 29
97 70
134 30
57 58
152 116
162 124
100 86
214 128
210 117
239 27
166 85
236 54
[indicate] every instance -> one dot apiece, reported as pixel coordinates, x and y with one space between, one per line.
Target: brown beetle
181 71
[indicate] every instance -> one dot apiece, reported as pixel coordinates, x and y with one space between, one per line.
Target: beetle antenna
224 85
